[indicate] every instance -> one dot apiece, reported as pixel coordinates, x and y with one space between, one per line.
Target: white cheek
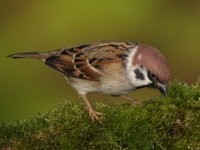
130 70
138 82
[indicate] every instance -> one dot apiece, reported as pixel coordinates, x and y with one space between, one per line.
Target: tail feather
35 55
28 55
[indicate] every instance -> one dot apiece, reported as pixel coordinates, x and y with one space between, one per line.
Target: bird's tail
36 55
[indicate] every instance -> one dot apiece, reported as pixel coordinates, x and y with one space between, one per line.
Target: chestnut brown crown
154 61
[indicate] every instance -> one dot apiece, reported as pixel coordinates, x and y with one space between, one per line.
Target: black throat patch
139 74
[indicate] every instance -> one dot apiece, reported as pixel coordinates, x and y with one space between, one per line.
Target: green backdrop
28 87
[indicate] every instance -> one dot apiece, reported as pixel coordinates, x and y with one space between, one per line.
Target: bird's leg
132 100
93 114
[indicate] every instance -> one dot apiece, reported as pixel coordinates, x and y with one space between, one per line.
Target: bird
109 67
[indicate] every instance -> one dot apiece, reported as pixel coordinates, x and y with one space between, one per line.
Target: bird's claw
132 100
93 114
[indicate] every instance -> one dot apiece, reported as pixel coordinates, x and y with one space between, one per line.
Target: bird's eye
153 75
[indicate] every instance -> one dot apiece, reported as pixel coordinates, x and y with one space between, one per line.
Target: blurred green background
28 87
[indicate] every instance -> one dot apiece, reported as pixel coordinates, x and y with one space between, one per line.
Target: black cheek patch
81 76
139 75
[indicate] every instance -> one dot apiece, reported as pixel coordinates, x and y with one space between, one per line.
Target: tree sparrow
112 68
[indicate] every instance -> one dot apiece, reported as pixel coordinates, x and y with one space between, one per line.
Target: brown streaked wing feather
87 61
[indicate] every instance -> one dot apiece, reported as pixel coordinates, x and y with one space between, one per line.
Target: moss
171 122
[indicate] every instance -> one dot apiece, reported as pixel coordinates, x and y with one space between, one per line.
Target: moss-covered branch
171 122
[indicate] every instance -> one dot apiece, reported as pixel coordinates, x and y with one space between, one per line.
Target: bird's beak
162 88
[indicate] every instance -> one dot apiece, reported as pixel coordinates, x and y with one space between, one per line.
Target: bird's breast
113 80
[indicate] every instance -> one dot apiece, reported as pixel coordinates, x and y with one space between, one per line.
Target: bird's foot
132 100
94 114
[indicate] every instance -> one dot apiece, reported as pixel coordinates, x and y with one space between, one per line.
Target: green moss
171 122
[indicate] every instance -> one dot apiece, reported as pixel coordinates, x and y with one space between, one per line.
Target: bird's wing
88 61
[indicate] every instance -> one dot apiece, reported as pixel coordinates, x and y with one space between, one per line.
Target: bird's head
147 67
